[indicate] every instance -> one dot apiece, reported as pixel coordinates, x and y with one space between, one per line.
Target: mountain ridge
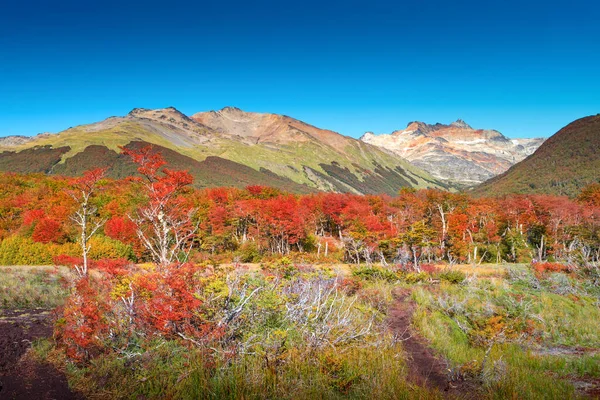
456 151
273 144
563 165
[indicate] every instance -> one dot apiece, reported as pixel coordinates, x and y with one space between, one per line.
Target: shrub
350 286
83 323
415 277
17 250
375 273
452 276
429 268
249 253
550 267
104 247
46 230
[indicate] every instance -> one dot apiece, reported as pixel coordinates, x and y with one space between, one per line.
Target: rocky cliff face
11 141
455 152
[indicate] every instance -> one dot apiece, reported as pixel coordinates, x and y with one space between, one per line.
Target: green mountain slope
228 147
562 165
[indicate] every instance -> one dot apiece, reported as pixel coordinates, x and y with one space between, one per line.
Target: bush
249 253
452 276
350 286
429 268
542 267
17 250
415 277
104 247
375 273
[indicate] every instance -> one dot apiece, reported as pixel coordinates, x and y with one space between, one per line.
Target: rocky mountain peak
13 141
168 113
137 111
230 109
459 123
366 136
455 152
416 128
232 112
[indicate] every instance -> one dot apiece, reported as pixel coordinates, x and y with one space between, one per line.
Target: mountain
563 165
455 152
10 141
228 147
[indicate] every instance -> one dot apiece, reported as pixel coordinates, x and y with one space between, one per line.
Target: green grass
170 370
508 339
26 287
531 336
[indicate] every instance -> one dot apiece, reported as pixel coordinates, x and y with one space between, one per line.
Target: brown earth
425 367
22 377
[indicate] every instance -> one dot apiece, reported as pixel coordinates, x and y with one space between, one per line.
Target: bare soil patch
425 367
21 377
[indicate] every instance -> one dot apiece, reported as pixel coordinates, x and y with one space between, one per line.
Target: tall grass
511 364
24 287
171 370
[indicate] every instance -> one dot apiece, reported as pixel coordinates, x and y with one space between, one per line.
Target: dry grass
33 287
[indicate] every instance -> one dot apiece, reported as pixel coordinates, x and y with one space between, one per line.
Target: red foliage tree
83 325
165 224
46 230
32 216
121 228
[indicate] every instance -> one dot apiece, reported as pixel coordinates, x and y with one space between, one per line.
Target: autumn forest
158 217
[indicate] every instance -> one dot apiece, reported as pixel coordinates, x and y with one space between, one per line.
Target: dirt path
20 376
425 369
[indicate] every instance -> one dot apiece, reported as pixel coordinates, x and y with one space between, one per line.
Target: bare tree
85 217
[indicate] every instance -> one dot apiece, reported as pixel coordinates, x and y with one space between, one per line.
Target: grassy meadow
317 332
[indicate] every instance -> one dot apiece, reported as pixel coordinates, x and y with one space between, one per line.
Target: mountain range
231 147
455 152
228 147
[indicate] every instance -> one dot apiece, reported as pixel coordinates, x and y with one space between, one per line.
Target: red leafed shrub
255 190
429 268
167 303
83 324
550 267
350 285
120 228
114 267
46 230
31 216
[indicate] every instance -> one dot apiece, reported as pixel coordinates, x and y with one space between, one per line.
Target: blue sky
524 68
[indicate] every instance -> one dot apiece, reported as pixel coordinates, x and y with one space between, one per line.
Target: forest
167 291
261 223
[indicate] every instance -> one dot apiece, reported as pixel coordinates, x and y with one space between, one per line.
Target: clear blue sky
526 68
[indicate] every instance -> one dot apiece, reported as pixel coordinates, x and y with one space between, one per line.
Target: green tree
418 237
